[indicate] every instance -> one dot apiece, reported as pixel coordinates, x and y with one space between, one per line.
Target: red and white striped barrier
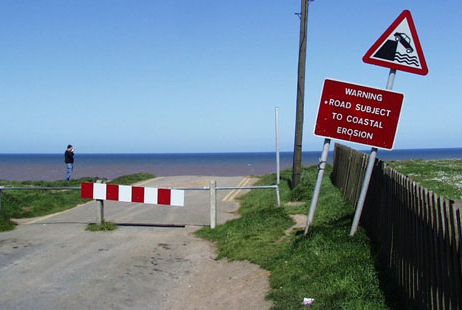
127 193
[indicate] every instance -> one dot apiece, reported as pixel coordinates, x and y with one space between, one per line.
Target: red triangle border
367 58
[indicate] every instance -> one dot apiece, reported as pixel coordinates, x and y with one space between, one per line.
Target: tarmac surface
152 261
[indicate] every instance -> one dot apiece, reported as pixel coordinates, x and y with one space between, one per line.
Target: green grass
444 177
105 226
132 178
328 265
32 203
6 224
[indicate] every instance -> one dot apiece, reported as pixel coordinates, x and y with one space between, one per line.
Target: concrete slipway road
53 263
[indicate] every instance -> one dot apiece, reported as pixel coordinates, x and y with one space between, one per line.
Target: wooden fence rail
418 233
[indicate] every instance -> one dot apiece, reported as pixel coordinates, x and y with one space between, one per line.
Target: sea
51 167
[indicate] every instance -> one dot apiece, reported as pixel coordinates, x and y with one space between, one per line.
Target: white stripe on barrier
99 191
177 197
150 195
125 193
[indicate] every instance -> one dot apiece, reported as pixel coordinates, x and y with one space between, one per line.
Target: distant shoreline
250 152
50 167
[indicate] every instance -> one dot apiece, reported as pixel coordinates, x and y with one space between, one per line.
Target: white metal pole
99 212
391 79
99 209
362 195
317 188
370 166
213 204
278 167
277 146
278 196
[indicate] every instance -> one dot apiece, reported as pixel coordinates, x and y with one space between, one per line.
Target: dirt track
53 263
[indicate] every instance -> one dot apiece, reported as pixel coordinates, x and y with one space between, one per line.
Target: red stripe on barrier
86 190
163 196
137 194
112 192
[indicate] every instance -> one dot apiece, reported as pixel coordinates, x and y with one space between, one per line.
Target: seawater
52 167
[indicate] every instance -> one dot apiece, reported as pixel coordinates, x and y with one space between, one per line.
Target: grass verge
327 265
132 178
32 203
443 177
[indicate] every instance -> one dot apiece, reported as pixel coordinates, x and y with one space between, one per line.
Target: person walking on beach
69 160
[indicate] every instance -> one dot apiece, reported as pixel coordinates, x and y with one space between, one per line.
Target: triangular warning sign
399 47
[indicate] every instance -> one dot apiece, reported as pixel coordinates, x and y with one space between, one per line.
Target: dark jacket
69 157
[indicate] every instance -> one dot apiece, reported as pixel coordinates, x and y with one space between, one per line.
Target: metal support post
99 209
278 196
370 166
278 177
317 188
362 195
278 166
0 198
99 212
213 204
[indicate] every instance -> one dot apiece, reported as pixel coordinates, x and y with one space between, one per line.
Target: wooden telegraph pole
297 163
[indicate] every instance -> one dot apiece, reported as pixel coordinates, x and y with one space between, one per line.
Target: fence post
213 204
0 198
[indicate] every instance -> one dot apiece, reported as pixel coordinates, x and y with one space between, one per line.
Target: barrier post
100 212
99 209
278 196
0 198
213 204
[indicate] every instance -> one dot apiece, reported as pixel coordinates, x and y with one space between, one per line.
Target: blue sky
205 76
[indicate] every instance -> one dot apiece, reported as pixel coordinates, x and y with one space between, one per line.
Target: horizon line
224 152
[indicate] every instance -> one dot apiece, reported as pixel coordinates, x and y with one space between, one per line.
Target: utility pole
297 163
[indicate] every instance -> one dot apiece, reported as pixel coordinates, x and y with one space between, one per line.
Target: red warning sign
357 113
399 47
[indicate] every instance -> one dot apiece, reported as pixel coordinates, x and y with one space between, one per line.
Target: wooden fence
418 234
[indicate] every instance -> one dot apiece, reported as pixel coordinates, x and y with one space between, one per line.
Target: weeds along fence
417 233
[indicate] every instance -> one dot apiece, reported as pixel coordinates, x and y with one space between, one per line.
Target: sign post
317 187
370 167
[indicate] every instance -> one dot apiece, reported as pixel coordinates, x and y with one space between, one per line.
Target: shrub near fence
417 233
